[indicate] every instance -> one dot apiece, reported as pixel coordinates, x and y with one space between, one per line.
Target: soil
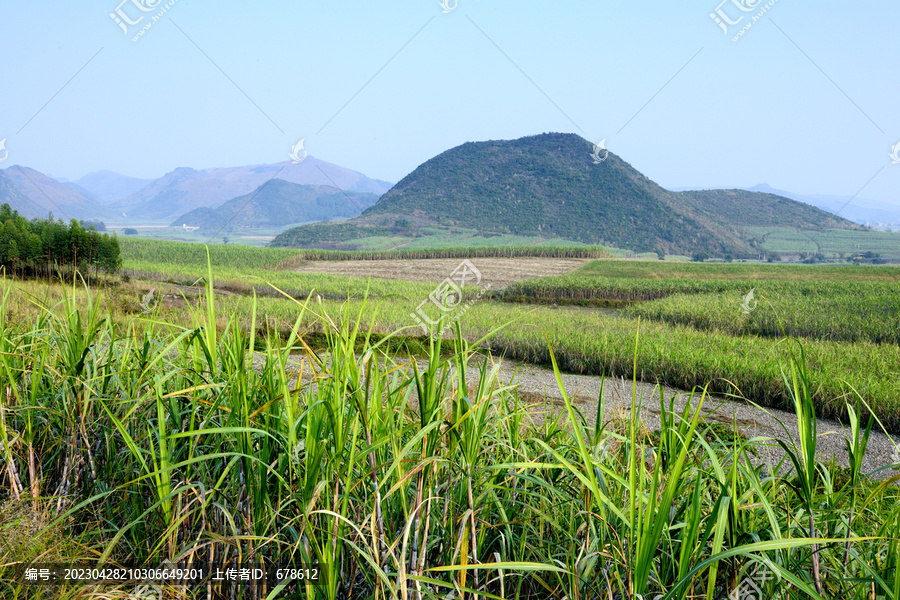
499 272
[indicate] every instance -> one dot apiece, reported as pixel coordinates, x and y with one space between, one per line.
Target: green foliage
399 478
851 312
548 186
742 208
540 185
830 243
96 224
182 253
636 281
698 333
42 246
247 257
326 235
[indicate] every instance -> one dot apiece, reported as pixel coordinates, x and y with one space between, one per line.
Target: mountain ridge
113 197
549 185
184 189
44 195
276 203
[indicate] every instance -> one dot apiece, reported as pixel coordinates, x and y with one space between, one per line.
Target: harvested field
499 272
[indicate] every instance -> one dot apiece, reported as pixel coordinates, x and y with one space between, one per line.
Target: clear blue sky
818 114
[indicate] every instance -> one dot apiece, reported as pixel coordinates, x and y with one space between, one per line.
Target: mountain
277 203
861 210
185 189
549 186
742 208
109 186
10 194
37 195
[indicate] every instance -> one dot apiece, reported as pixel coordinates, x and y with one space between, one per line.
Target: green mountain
277 203
549 186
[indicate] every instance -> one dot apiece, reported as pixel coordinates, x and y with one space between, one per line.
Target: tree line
44 246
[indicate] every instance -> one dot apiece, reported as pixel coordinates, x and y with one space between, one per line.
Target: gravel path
751 421
537 386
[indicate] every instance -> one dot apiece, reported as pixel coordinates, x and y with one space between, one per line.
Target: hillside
109 186
757 209
10 194
186 189
277 203
548 186
34 194
864 211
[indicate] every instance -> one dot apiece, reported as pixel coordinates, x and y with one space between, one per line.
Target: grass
853 312
832 243
156 438
694 328
136 250
592 343
849 303
387 238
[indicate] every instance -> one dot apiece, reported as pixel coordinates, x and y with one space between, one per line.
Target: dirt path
500 272
751 421
539 383
537 386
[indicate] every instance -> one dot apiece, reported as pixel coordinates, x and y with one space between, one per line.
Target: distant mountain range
544 187
185 189
277 203
109 186
34 194
549 186
861 210
329 191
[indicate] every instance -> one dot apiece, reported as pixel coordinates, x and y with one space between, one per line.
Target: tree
40 246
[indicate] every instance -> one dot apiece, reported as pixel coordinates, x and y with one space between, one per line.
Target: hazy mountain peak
109 186
37 195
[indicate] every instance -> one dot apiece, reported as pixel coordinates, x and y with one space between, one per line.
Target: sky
805 100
